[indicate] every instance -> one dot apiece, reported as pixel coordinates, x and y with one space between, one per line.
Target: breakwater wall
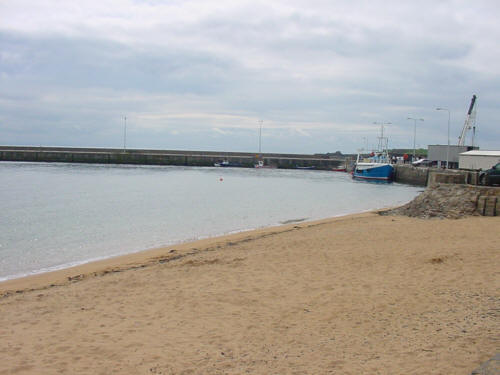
423 176
162 157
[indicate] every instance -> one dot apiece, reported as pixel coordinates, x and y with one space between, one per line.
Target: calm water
56 215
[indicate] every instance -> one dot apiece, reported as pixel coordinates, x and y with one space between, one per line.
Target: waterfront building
440 154
478 159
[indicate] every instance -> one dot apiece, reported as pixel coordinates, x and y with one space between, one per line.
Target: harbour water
55 215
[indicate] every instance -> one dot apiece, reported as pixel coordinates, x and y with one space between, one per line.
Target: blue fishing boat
377 166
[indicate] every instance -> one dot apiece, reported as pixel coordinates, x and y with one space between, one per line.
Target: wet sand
362 294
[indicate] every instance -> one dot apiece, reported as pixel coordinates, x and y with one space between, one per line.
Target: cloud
317 70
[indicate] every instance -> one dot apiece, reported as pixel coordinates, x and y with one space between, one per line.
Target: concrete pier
408 174
162 157
423 176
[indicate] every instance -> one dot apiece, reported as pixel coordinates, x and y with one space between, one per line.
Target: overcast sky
201 74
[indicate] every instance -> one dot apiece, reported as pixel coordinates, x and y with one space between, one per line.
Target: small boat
226 163
260 164
339 169
310 167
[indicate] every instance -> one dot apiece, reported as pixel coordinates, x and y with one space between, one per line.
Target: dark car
491 176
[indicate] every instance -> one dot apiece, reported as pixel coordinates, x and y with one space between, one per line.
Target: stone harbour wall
162 157
408 174
423 176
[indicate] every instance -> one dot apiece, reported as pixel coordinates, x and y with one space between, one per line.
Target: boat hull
373 171
261 164
227 164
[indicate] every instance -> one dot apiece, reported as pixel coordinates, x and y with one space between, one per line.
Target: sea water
55 215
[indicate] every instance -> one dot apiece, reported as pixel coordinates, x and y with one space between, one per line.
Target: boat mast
260 137
382 141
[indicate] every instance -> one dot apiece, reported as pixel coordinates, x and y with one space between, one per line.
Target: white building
478 159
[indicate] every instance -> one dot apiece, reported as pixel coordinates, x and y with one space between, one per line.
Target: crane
469 123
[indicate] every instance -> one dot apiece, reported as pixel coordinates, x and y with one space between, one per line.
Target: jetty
165 157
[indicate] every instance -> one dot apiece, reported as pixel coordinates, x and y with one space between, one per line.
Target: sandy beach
362 294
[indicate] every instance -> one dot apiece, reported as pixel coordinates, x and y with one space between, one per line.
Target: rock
441 201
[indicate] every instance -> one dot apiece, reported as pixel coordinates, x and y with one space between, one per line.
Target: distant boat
226 163
339 169
309 167
260 164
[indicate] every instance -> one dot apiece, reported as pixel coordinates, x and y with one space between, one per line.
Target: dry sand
363 294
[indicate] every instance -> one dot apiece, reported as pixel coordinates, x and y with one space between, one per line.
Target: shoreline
148 257
74 264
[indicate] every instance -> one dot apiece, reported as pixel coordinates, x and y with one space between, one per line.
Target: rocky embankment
450 201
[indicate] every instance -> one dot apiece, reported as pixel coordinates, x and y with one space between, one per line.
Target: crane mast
469 122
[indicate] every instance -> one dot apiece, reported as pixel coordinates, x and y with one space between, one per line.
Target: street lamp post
414 132
125 133
448 147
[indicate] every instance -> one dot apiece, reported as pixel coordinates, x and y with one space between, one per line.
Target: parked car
422 163
490 176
